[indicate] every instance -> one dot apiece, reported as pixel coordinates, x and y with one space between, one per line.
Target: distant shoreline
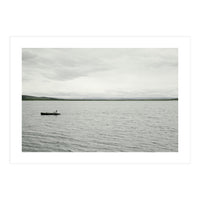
33 98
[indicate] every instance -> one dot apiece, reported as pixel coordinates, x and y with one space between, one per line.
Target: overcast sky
100 73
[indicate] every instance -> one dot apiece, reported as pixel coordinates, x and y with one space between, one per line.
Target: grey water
100 126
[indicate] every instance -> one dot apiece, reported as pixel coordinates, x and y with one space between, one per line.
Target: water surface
100 126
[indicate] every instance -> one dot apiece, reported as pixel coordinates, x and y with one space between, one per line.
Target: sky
100 72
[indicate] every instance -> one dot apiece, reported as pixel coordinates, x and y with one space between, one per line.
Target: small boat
50 113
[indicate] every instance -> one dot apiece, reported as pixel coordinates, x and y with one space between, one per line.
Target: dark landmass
34 98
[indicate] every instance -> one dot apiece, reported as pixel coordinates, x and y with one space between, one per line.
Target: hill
33 98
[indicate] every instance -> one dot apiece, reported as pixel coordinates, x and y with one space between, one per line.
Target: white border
17 43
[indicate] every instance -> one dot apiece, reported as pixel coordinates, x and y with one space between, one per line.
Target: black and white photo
100 100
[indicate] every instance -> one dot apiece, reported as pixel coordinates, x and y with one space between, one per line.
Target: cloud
59 64
100 72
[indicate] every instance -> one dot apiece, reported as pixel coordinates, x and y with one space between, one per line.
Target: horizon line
95 98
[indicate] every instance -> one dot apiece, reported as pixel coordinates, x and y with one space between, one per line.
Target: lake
100 126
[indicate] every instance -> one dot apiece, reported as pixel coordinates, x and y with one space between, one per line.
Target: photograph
99 100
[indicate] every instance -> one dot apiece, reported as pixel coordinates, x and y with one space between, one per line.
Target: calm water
103 126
